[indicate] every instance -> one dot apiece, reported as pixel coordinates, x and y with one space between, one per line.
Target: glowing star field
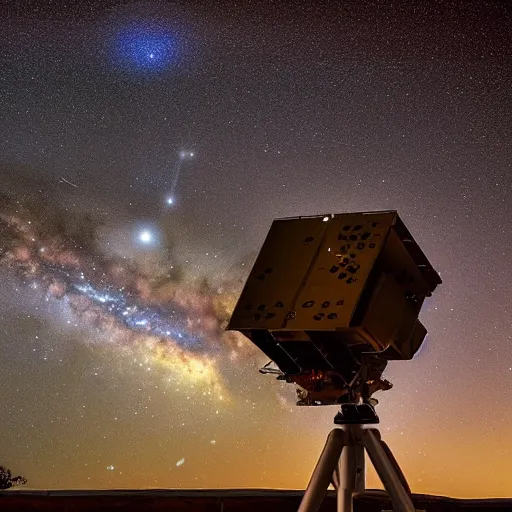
178 325
146 147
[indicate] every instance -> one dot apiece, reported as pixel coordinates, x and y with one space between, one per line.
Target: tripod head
355 397
331 299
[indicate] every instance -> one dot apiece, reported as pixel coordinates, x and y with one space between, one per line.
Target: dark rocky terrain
219 501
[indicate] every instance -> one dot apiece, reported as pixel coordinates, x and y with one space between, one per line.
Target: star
146 236
186 154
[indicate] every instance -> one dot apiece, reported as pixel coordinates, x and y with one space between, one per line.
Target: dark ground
219 501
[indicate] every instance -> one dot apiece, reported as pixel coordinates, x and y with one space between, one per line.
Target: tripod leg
398 470
321 477
349 475
360 484
345 477
387 471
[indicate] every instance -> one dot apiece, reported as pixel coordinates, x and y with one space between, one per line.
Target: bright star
186 154
169 200
146 236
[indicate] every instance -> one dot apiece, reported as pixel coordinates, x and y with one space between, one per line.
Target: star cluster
144 48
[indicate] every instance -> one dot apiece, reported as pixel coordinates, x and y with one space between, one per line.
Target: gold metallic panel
336 280
281 267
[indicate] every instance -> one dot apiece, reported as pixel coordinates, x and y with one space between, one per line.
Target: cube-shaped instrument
329 288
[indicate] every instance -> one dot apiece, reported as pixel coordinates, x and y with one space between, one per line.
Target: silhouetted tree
7 480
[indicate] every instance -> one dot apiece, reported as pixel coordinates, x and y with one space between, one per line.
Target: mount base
352 414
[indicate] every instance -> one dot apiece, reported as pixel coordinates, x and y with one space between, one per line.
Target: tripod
342 464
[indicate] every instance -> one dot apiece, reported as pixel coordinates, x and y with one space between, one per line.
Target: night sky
146 147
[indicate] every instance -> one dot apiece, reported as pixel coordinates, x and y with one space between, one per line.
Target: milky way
183 324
